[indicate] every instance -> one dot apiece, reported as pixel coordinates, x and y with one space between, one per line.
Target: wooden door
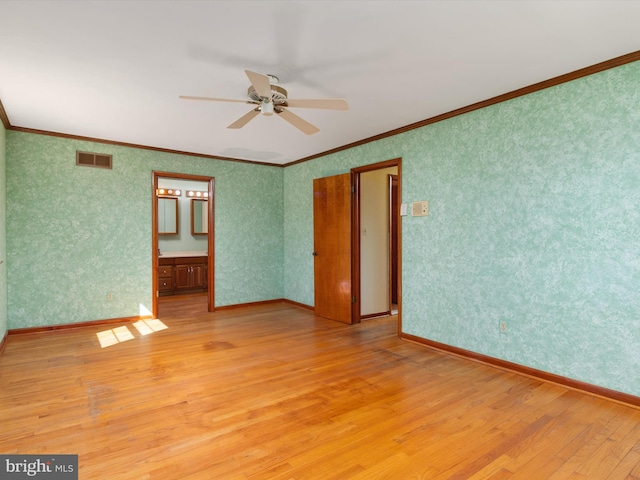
332 247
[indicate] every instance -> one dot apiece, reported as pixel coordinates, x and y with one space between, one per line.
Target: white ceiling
113 70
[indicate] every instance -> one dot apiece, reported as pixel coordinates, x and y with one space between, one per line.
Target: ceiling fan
269 98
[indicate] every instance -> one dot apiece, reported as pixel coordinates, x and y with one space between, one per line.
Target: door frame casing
393 215
355 237
210 238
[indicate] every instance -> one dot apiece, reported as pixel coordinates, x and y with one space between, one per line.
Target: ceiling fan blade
327 103
210 99
246 118
260 82
297 122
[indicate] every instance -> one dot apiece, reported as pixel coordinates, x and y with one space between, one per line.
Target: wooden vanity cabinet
188 274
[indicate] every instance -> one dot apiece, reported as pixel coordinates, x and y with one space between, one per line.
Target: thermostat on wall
420 209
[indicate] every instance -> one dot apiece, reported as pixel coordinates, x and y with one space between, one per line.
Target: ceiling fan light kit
267 107
269 98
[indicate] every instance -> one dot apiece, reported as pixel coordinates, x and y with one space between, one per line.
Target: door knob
315 254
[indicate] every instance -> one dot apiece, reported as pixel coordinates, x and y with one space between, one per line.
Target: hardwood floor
270 392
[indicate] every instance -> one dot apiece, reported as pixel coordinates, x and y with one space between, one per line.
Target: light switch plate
403 209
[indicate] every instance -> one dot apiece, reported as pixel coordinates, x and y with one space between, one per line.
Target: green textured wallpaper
75 234
3 235
534 221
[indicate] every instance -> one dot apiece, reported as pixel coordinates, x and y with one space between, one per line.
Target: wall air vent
89 159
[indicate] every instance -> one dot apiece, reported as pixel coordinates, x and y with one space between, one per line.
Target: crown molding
552 82
135 145
7 124
4 117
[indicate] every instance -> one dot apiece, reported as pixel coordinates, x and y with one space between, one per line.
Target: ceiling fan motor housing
278 95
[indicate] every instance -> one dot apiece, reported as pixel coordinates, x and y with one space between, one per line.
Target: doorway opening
187 221
376 239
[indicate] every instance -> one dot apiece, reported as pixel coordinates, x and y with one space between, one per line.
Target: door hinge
353 189
353 299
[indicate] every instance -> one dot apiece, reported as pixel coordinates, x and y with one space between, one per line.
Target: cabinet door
183 276
198 276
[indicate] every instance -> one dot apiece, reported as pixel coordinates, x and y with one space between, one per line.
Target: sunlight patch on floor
113 336
145 327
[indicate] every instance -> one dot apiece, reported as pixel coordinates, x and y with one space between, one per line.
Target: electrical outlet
503 327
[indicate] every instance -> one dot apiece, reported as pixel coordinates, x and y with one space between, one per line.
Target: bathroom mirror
199 216
167 216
